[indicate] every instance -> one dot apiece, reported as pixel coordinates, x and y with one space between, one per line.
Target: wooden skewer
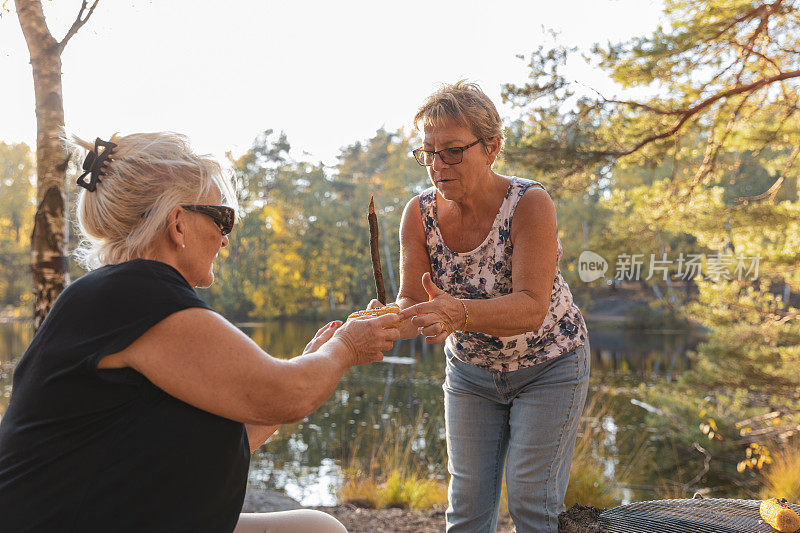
375 252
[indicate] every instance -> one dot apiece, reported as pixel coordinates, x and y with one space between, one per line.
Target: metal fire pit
708 515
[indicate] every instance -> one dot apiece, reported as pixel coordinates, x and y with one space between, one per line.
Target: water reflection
404 394
635 356
407 386
14 339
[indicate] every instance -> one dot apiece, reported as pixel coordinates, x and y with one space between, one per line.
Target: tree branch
632 103
762 26
774 135
787 318
759 418
706 464
773 190
675 151
709 158
79 22
688 112
713 148
749 15
756 53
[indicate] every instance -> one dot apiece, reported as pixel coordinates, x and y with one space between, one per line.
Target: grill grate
708 515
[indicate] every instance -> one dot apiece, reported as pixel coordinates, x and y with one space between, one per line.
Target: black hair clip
94 163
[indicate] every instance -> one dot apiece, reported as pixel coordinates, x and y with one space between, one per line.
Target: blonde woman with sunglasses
136 407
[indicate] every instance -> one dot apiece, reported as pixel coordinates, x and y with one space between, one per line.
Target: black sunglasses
223 216
449 156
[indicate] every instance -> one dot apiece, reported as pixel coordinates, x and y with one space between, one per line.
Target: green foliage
301 245
697 154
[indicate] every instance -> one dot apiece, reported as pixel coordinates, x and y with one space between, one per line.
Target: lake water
401 399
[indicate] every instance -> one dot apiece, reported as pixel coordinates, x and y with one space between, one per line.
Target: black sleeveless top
88 449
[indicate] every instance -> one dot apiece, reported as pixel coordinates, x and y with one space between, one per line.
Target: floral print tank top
485 272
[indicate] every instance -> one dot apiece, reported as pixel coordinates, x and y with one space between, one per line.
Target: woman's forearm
504 316
308 381
303 384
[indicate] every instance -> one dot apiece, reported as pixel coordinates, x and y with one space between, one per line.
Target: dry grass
398 489
589 482
782 477
393 475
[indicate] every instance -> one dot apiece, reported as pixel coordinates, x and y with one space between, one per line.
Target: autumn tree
50 232
301 243
16 221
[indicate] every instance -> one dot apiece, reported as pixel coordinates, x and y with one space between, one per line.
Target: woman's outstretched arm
199 357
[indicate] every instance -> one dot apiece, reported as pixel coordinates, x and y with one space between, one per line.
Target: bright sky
327 73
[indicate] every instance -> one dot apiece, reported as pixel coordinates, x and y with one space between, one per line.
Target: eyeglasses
223 216
448 156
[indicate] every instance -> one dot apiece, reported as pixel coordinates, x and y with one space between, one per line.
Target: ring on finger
444 328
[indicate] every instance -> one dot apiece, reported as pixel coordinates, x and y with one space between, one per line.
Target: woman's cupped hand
437 318
322 336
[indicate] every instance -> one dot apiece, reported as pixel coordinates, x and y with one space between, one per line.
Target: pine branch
747 16
750 51
689 112
772 191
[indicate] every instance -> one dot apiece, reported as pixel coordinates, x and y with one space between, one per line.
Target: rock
267 501
580 519
360 504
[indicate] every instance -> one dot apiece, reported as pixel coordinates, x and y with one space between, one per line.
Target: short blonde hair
465 104
149 175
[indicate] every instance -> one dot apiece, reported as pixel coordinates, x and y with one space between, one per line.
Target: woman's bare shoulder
411 212
412 228
535 208
537 200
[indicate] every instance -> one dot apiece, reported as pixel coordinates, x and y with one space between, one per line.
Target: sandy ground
396 520
359 520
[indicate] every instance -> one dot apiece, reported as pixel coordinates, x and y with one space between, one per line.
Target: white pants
297 521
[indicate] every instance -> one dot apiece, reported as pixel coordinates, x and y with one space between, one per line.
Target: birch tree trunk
50 237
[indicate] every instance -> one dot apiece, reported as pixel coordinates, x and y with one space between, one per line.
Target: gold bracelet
466 315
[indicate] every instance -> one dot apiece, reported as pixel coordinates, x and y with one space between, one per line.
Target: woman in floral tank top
479 271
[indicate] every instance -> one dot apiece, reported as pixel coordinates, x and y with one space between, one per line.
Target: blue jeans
525 420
